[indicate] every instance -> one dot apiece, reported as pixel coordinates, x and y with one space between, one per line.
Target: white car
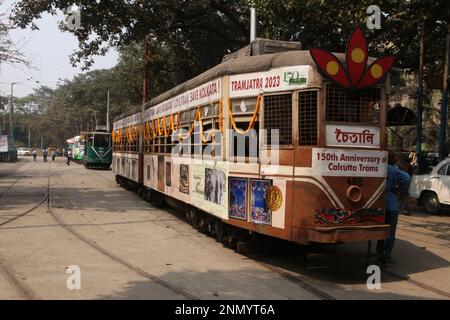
432 190
23 152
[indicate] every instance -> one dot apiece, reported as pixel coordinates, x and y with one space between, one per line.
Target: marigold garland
252 121
161 127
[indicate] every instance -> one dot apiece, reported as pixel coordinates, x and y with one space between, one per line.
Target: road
54 216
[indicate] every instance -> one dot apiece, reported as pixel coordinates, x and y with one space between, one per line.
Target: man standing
45 154
69 156
397 182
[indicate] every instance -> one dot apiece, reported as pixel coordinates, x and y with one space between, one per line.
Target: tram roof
240 65
94 132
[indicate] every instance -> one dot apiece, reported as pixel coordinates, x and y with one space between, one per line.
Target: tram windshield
101 140
343 105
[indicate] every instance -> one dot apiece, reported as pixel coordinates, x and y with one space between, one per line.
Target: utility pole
11 119
420 92
252 24
29 134
145 84
42 138
444 103
107 113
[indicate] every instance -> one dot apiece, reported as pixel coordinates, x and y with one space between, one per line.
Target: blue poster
238 198
259 211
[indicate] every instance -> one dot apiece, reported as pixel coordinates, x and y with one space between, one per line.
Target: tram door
277 157
307 189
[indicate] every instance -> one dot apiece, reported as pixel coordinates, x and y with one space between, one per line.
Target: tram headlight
354 194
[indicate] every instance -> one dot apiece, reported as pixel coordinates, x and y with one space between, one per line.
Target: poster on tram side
4 143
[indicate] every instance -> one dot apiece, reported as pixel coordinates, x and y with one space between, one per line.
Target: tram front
339 190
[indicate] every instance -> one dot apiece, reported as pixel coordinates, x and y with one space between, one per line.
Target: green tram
97 149
77 146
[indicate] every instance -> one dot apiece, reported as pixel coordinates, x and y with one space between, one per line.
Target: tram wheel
141 192
157 199
203 224
218 230
191 217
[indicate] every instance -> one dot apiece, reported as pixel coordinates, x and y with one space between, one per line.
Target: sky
49 50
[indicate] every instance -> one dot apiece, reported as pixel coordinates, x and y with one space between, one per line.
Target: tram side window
207 121
217 136
278 116
148 141
185 126
245 145
307 117
133 168
123 141
344 105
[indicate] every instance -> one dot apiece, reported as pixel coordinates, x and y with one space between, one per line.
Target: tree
189 37
186 38
9 52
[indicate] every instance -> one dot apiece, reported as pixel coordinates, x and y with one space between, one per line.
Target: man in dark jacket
397 182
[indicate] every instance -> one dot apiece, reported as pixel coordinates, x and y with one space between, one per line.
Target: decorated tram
288 143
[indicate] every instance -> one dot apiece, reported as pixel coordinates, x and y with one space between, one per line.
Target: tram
97 150
77 146
289 143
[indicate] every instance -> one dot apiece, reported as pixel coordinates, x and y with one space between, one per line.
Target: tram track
27 293
26 212
4 192
413 282
109 254
418 284
305 285
10 186
290 277
297 281
21 288
33 208
325 296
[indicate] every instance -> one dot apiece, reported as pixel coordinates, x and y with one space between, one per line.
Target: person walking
53 155
45 154
397 182
34 154
69 156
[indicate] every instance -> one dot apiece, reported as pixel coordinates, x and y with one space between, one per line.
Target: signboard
129 121
4 143
352 136
275 80
354 163
354 74
201 95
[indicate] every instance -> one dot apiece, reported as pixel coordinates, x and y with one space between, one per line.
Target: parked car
432 190
23 152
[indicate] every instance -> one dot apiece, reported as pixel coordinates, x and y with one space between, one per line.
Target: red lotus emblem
354 75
